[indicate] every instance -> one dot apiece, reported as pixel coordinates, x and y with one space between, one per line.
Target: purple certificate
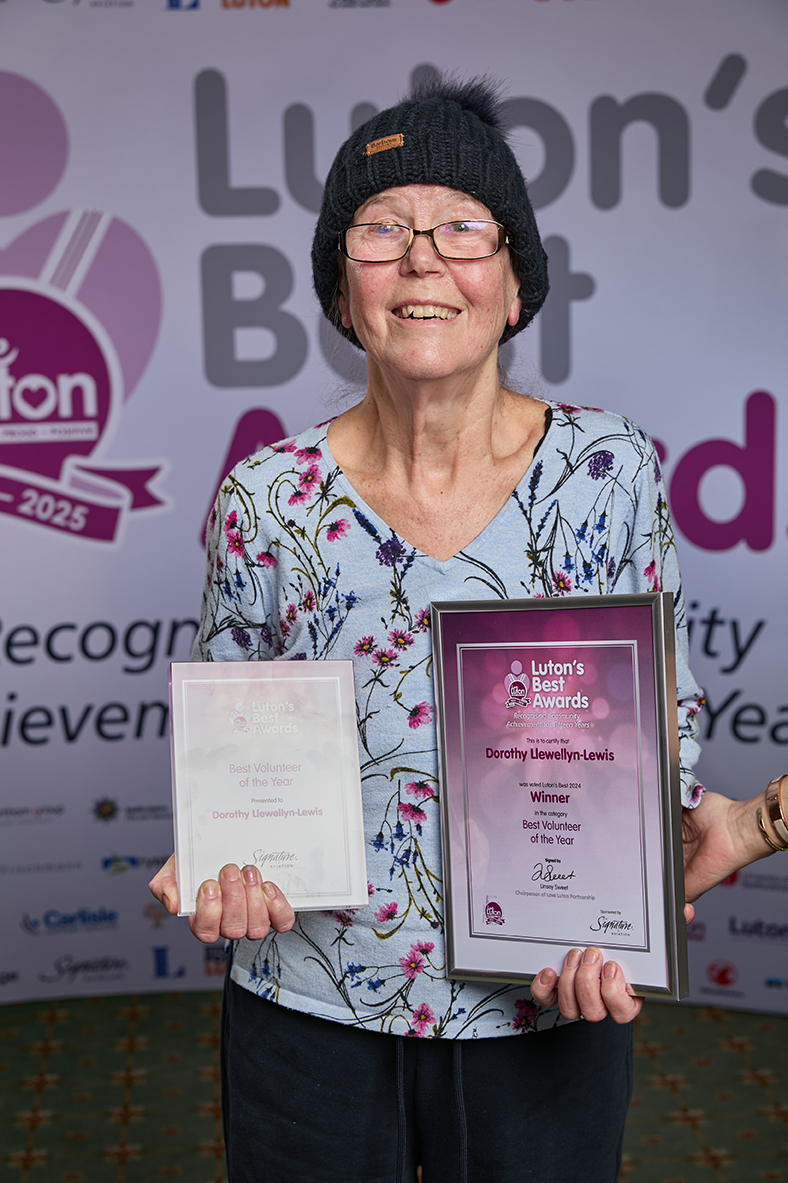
561 808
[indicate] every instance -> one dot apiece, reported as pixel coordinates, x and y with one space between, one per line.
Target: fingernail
231 872
270 890
250 876
210 889
546 977
609 970
590 956
573 958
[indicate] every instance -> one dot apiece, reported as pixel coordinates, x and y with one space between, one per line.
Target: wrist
772 815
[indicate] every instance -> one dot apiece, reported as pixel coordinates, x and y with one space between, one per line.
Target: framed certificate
265 772
561 810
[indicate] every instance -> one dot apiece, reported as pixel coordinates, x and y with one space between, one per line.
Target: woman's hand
238 904
589 987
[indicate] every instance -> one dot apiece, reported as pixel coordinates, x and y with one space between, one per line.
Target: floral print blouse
300 567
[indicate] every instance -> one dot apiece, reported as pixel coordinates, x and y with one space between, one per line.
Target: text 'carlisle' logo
80 308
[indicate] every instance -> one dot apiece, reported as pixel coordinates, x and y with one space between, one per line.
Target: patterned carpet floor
126 1089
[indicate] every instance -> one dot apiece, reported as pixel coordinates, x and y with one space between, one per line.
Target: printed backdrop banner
161 165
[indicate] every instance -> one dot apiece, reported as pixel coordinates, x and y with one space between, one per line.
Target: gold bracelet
762 828
777 807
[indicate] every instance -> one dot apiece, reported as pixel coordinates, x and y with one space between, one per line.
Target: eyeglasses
386 242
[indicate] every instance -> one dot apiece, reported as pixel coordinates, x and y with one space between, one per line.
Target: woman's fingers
280 913
239 905
622 1004
164 886
588 987
544 988
567 998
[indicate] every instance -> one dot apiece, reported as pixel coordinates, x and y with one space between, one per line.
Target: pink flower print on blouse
561 583
411 813
421 713
305 455
309 603
423 1018
291 614
231 523
386 912
423 620
288 447
400 640
364 646
650 573
385 658
527 1012
337 529
235 543
298 496
412 963
265 559
309 479
419 789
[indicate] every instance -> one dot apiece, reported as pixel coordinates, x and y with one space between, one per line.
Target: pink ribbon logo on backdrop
80 309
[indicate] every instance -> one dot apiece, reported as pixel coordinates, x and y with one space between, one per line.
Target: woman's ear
514 311
343 304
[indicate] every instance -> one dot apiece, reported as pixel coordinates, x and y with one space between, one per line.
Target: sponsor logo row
104 810
195 5
71 970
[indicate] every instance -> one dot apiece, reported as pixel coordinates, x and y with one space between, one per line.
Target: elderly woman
441 484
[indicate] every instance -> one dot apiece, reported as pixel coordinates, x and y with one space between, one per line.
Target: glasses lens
468 240
376 242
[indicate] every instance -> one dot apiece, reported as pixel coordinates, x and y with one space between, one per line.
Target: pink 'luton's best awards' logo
517 685
80 307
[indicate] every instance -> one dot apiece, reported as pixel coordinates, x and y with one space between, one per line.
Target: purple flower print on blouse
600 465
421 713
390 552
241 638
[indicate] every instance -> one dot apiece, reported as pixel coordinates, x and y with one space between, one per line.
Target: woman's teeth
425 312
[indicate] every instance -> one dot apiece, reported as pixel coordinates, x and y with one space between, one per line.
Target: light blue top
300 567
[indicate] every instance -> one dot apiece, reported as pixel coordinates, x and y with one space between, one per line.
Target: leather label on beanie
384 144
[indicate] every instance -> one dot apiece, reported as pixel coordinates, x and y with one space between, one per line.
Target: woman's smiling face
425 317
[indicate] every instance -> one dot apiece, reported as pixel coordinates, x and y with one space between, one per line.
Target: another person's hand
720 836
588 987
238 904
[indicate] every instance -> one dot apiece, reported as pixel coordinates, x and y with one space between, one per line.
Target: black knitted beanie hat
445 133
